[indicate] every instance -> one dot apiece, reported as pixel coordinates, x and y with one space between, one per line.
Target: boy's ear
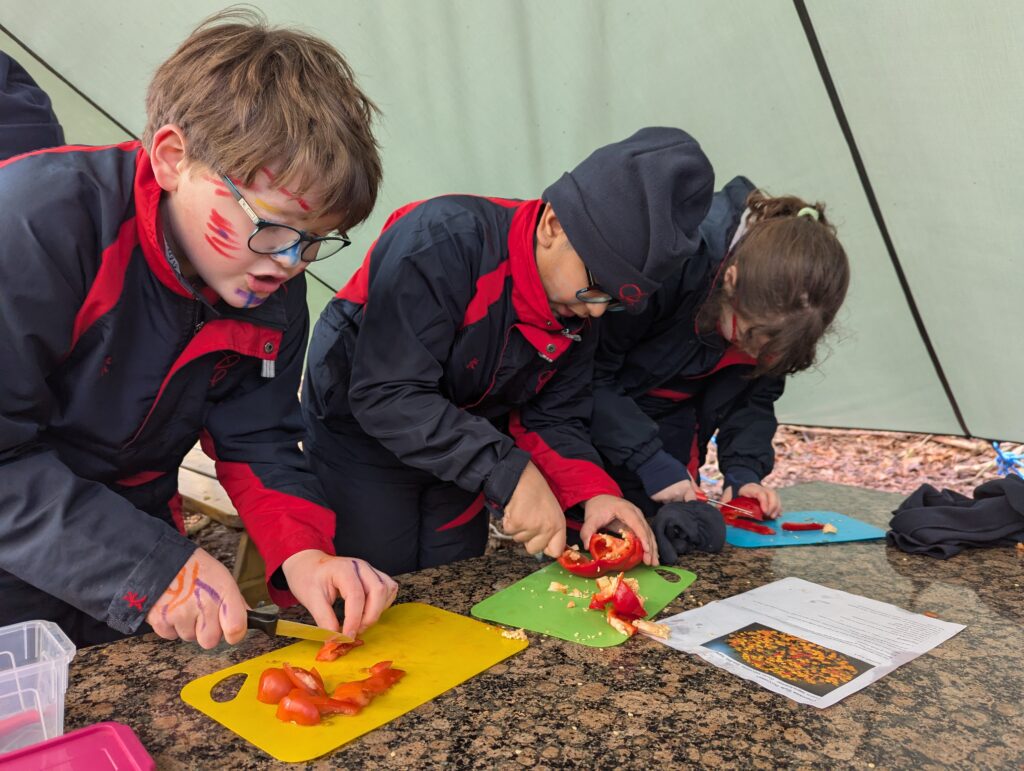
548 228
168 156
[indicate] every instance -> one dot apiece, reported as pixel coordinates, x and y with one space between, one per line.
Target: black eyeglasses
274 238
594 294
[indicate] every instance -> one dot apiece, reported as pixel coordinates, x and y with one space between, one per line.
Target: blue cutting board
850 529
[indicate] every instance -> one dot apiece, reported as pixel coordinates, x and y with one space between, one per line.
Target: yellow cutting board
437 649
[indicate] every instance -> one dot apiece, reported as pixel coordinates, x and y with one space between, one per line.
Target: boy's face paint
212 232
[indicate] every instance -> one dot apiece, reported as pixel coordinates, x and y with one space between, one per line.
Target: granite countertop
642 704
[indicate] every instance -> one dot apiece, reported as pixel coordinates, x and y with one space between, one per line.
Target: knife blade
703 496
266 618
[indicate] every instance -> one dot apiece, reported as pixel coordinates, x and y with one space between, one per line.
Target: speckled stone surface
642 704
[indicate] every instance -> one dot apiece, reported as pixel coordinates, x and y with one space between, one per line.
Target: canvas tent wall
500 97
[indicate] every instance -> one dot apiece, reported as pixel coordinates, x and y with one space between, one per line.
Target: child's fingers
160 627
379 590
232 616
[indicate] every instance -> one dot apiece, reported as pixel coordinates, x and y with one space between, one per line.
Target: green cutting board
528 604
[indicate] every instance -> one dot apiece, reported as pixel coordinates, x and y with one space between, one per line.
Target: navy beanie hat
632 209
27 121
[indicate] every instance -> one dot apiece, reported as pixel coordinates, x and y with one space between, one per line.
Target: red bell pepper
309 681
623 594
274 685
750 505
608 554
298 707
802 526
334 649
746 524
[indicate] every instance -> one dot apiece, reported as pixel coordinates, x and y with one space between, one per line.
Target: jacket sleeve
553 428
254 438
621 431
409 325
745 434
70 537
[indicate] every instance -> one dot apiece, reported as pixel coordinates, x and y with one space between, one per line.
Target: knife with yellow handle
267 618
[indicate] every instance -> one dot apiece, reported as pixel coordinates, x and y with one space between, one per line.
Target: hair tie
810 211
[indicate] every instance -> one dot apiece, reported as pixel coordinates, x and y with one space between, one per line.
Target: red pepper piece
749 505
802 526
274 685
753 527
334 649
297 707
310 681
608 554
621 593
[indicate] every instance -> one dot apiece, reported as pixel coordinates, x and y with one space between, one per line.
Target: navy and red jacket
443 344
652 364
113 367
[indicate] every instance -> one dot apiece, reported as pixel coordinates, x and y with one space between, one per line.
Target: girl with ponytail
712 348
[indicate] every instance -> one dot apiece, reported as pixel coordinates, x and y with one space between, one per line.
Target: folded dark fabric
684 527
942 524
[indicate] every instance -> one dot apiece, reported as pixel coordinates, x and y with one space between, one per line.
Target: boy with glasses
452 373
152 294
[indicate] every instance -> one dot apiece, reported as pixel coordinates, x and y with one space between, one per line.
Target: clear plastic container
34 659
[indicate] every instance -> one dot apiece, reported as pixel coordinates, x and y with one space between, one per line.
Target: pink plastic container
94 748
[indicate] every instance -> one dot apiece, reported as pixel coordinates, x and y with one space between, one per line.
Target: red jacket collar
147 213
529 300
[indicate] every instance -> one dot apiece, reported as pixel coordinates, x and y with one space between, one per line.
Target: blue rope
1008 462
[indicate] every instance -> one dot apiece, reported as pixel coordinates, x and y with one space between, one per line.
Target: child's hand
202 603
533 516
766 496
317 579
680 492
612 513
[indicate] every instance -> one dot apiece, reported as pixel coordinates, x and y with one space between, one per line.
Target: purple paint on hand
356 563
199 604
201 584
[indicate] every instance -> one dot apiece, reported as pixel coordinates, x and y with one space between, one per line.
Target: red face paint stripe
217 245
218 223
106 288
489 289
571 480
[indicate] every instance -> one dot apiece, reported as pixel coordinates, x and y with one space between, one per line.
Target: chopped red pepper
274 685
310 681
754 527
334 706
297 707
623 594
749 505
334 649
608 554
802 526
620 624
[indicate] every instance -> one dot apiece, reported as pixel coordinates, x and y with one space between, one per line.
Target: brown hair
792 277
246 95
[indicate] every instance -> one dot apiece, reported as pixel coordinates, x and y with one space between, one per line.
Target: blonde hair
246 95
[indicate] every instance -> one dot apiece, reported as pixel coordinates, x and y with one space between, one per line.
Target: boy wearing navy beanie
452 373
